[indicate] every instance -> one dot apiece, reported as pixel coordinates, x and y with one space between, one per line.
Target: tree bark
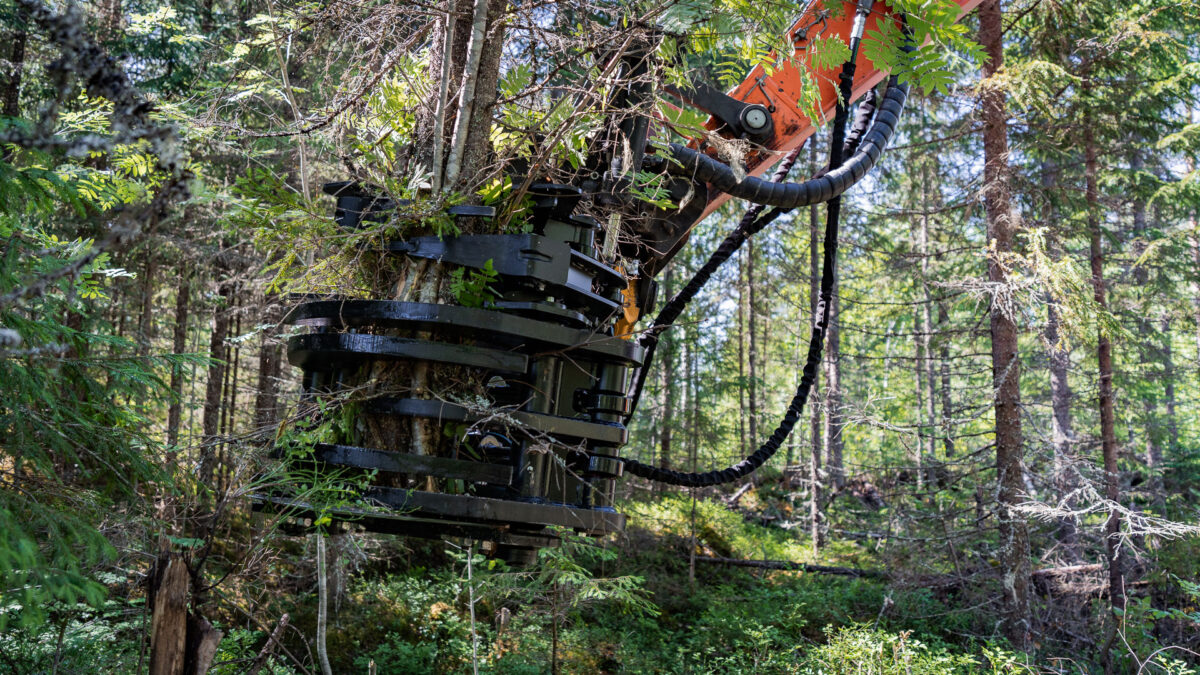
168 625
1014 536
947 399
213 390
270 364
1108 436
1147 349
10 101
1061 436
322 606
742 312
146 317
669 366
183 295
815 500
752 310
834 419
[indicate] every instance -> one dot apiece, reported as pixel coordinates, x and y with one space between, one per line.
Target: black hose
750 224
699 166
828 276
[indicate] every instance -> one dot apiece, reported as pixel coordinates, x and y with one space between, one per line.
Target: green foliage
63 408
861 650
474 288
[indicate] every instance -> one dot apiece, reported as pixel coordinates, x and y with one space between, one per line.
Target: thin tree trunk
111 20
752 309
834 419
1061 436
918 455
146 317
1155 462
927 299
213 397
322 606
669 367
692 354
947 400
1014 536
815 496
1108 435
10 95
927 362
466 101
1147 348
183 296
270 363
742 311
1169 385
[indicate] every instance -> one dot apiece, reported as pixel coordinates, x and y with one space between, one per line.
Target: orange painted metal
781 88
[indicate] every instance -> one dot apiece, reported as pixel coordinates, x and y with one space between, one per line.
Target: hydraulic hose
685 161
751 223
821 314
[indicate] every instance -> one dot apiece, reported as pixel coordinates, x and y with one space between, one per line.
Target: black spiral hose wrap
685 161
864 151
750 224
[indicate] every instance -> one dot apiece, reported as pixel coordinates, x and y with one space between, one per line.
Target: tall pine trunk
1014 536
1108 435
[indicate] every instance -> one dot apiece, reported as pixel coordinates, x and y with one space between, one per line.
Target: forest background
998 470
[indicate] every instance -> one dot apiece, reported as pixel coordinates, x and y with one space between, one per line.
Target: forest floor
637 603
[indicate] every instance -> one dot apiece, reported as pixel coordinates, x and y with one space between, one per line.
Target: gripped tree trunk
1014 535
473 51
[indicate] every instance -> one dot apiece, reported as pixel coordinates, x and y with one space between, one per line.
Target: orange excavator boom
781 90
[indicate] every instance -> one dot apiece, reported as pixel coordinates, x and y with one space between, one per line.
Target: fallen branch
788 565
267 649
737 496
1068 570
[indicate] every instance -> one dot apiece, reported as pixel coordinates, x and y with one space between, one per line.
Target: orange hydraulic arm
780 91
765 110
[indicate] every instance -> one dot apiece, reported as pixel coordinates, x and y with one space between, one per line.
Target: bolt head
755 118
